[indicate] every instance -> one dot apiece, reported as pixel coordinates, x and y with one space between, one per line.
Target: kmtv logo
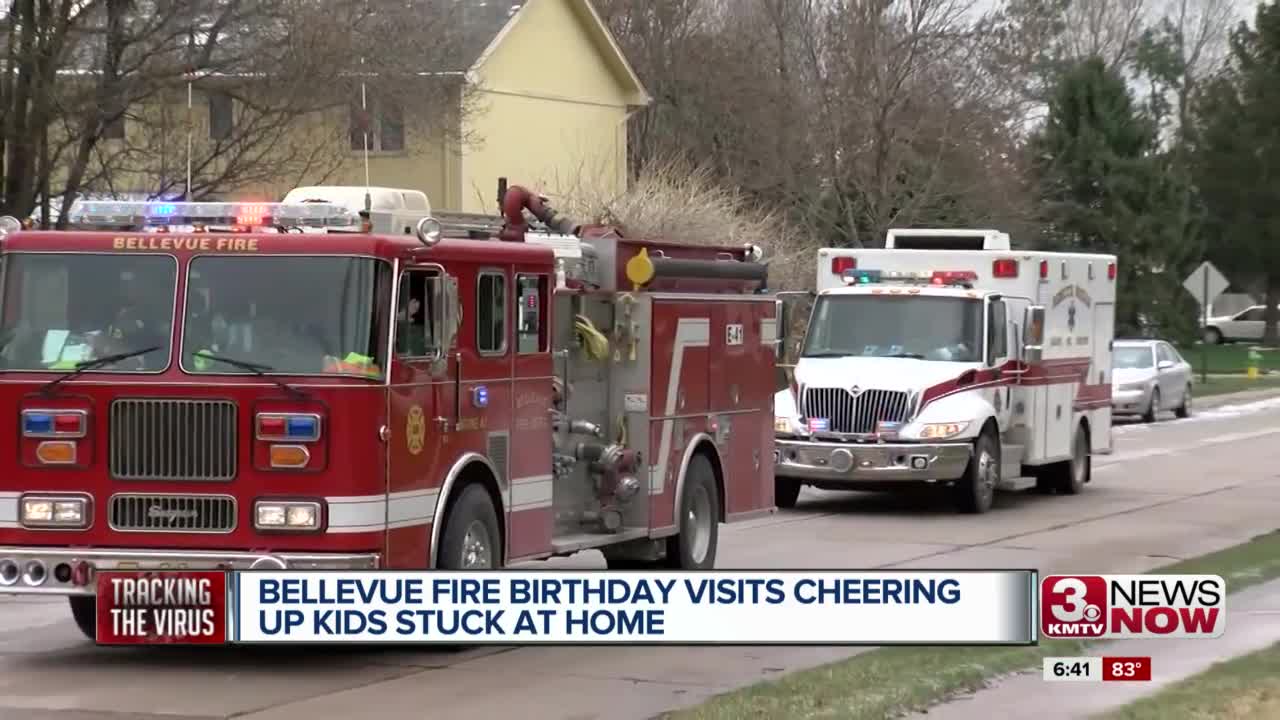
1116 606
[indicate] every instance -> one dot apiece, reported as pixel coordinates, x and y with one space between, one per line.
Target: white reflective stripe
690 332
529 493
9 509
370 513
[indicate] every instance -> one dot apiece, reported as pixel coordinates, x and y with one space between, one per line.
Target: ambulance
949 359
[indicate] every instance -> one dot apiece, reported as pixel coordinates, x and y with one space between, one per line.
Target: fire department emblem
415 430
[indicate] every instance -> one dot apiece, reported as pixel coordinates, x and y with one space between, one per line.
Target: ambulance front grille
134 512
846 412
153 439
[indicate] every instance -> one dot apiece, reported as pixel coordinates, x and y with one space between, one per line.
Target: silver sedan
1149 377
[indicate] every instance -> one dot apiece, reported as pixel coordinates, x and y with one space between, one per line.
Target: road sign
1205 284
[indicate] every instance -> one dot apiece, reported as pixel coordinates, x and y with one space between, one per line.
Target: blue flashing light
37 423
164 210
480 396
861 277
301 426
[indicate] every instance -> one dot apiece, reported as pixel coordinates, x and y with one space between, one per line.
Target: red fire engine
220 385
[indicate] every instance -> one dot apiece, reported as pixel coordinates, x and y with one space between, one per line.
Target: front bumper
49 561
1130 402
840 463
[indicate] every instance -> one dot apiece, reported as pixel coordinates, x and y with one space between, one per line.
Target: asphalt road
1173 490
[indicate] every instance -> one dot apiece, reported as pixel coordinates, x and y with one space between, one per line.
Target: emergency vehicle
271 398
950 359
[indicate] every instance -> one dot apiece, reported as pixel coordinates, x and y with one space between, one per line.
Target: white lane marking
690 333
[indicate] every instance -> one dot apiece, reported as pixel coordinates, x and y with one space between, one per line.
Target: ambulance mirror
1033 334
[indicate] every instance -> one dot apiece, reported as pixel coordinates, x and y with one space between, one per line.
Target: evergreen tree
1100 176
1237 161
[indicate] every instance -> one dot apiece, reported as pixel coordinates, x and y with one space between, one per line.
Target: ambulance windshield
61 309
286 315
919 327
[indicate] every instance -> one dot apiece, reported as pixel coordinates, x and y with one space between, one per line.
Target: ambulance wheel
471 539
1070 476
976 491
84 609
694 547
785 492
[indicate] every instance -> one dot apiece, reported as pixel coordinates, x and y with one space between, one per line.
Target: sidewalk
1253 623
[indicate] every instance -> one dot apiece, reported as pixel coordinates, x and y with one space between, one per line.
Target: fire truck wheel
84 608
694 548
976 491
785 492
471 539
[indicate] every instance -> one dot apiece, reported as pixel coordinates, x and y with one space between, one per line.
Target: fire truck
454 398
949 359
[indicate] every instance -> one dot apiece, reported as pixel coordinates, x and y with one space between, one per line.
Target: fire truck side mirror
1033 334
449 312
782 321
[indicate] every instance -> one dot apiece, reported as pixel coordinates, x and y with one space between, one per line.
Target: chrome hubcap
476 547
697 523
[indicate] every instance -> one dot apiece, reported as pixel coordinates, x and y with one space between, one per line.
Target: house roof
486 23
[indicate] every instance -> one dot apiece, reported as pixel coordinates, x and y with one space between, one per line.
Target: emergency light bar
936 277
110 214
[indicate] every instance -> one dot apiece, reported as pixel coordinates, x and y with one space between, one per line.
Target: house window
220 116
385 124
491 313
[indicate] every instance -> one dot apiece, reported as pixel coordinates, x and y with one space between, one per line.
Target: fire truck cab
948 358
273 398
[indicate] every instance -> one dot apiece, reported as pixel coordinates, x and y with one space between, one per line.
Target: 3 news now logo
1116 606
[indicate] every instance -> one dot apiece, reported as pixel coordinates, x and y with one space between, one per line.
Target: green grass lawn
1232 358
1223 385
886 682
1244 688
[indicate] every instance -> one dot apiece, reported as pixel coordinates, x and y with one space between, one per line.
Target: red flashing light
1044 269
1005 268
67 423
942 277
250 215
1111 271
840 264
271 425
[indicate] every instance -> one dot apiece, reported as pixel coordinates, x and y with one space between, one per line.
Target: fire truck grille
849 413
172 513
173 439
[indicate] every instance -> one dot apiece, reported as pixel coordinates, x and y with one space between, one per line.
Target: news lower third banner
571 607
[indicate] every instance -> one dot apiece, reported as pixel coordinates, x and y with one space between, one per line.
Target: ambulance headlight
295 516
785 425
939 431
53 512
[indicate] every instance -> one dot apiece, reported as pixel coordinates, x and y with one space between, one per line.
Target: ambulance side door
998 352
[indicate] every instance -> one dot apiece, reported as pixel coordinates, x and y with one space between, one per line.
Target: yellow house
550 93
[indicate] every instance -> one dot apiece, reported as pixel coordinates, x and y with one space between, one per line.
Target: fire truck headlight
939 431
54 512
287 515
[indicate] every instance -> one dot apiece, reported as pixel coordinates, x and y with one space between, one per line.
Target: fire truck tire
471 538
694 547
976 491
786 491
84 609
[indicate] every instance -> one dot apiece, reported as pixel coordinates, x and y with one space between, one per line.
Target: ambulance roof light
109 214
954 277
861 277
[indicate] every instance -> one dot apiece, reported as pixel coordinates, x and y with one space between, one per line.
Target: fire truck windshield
920 327
286 315
65 309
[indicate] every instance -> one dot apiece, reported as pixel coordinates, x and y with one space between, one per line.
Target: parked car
1245 326
1149 377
